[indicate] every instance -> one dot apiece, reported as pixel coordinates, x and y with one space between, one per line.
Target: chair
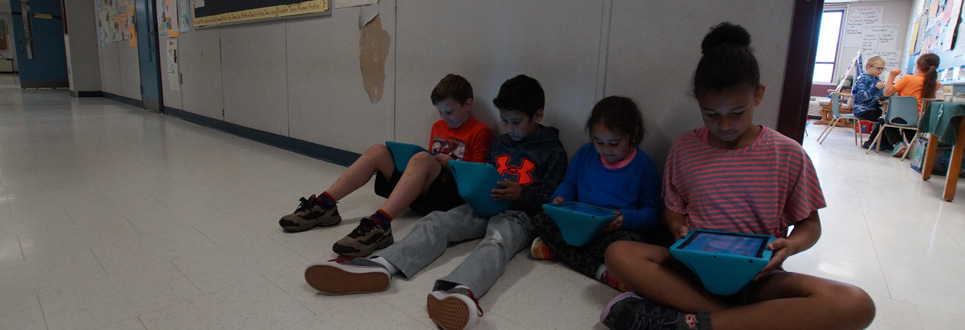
837 116
899 107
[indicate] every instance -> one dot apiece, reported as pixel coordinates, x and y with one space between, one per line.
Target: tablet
579 223
726 243
402 152
725 262
476 182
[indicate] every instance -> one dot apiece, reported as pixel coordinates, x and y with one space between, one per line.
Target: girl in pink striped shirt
733 175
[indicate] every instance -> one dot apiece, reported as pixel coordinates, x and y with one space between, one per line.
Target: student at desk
869 90
921 85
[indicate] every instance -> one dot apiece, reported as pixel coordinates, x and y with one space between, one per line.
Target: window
827 46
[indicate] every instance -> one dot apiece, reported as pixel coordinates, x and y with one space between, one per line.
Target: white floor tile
894 314
22 313
251 304
116 298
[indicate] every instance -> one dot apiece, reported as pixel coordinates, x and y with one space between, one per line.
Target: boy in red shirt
426 185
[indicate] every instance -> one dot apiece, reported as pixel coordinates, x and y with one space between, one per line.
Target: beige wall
301 77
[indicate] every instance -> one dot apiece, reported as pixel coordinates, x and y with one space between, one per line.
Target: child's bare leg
798 301
422 170
649 271
375 158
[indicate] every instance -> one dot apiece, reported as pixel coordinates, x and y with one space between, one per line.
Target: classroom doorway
39 43
147 54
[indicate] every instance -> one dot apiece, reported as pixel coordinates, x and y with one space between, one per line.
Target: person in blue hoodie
868 90
531 160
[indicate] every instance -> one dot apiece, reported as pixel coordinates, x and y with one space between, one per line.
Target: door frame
147 46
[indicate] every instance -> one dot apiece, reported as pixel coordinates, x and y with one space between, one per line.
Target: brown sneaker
310 214
365 239
348 276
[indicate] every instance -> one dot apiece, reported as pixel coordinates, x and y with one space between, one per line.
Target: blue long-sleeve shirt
866 94
634 189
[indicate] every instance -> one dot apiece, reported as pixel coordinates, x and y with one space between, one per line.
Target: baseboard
86 94
328 154
123 99
44 84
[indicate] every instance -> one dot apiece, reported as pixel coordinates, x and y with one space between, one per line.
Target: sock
326 200
385 263
603 275
381 218
697 321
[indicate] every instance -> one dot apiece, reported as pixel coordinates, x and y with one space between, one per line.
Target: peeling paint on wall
373 50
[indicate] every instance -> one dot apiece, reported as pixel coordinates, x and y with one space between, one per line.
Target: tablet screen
726 243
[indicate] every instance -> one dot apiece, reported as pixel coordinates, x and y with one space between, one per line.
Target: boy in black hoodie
532 161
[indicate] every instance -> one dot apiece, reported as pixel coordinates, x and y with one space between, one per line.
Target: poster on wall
856 20
219 12
879 37
167 18
952 29
174 81
184 15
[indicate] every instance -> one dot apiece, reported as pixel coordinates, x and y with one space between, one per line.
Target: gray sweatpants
503 234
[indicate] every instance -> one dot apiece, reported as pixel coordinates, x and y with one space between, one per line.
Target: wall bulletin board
221 12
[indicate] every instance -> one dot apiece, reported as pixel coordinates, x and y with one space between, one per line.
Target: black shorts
441 196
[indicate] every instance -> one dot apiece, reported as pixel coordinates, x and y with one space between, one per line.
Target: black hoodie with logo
537 163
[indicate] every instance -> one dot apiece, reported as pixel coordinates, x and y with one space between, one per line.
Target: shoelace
364 227
473 297
304 203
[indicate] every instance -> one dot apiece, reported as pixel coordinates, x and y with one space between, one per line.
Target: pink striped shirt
760 189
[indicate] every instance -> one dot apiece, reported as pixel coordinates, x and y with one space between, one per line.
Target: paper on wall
876 38
856 20
367 14
198 3
174 81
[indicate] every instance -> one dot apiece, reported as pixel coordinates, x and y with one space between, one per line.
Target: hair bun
725 33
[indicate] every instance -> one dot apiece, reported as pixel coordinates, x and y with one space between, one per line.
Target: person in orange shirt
426 185
921 85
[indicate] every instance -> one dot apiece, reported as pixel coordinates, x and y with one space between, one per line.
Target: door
38 31
147 53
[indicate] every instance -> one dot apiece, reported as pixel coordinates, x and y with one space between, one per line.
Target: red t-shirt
469 142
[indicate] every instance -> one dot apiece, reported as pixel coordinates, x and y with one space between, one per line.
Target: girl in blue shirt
611 172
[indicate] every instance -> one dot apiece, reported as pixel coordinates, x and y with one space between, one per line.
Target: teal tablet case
579 223
402 152
476 182
725 262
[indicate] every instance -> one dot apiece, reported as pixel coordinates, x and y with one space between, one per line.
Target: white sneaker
347 276
454 309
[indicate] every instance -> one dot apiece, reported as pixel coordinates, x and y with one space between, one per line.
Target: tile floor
115 218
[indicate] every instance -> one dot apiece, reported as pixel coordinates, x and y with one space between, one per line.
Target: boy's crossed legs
782 300
452 303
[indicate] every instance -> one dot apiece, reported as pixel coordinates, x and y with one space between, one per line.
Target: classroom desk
945 122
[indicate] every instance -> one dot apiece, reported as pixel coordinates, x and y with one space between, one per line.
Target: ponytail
928 65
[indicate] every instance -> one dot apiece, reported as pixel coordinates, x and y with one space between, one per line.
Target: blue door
38 30
147 54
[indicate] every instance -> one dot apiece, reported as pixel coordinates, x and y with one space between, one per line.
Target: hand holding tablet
476 182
